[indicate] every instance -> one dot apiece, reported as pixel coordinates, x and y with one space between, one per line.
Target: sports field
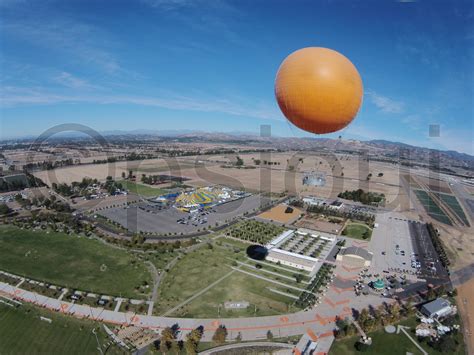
22 332
357 231
72 261
142 190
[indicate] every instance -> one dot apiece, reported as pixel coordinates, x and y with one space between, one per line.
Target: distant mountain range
284 142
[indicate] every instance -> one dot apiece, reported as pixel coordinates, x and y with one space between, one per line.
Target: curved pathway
247 345
318 322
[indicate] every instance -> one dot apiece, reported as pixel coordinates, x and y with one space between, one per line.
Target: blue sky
210 65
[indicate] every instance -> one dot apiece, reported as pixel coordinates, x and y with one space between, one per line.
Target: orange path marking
311 334
327 334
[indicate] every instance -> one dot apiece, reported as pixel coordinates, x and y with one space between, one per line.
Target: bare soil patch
278 214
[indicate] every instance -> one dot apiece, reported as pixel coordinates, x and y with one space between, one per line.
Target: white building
295 260
440 307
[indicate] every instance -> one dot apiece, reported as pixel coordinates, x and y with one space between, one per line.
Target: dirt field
465 302
310 222
436 185
342 173
101 171
278 214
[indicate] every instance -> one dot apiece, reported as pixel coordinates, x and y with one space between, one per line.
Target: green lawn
142 190
240 287
72 261
192 273
357 231
388 344
22 332
201 268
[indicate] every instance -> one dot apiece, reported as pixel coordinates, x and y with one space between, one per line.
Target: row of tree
438 245
359 195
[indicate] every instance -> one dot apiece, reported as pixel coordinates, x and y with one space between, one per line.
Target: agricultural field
255 231
142 190
357 231
432 207
453 203
22 332
72 261
216 267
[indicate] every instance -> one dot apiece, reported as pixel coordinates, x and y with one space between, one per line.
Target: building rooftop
436 305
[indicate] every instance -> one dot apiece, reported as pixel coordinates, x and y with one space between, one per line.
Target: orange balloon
318 90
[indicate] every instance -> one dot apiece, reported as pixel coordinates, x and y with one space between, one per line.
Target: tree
220 335
190 347
269 335
4 209
123 175
238 338
446 344
361 347
239 162
431 294
167 338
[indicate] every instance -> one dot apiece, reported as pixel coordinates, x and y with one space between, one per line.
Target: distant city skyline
210 65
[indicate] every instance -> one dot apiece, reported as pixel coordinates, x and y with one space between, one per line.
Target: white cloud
168 4
384 103
14 97
71 81
79 41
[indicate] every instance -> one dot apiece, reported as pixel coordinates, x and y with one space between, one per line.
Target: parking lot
166 220
392 244
413 238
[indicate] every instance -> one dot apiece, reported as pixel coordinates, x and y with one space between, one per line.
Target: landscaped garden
255 231
357 231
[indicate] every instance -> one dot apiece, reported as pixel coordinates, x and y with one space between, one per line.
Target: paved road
317 321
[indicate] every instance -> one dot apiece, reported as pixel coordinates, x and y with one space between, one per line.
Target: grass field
204 266
22 332
431 207
142 190
357 231
239 287
388 344
71 261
